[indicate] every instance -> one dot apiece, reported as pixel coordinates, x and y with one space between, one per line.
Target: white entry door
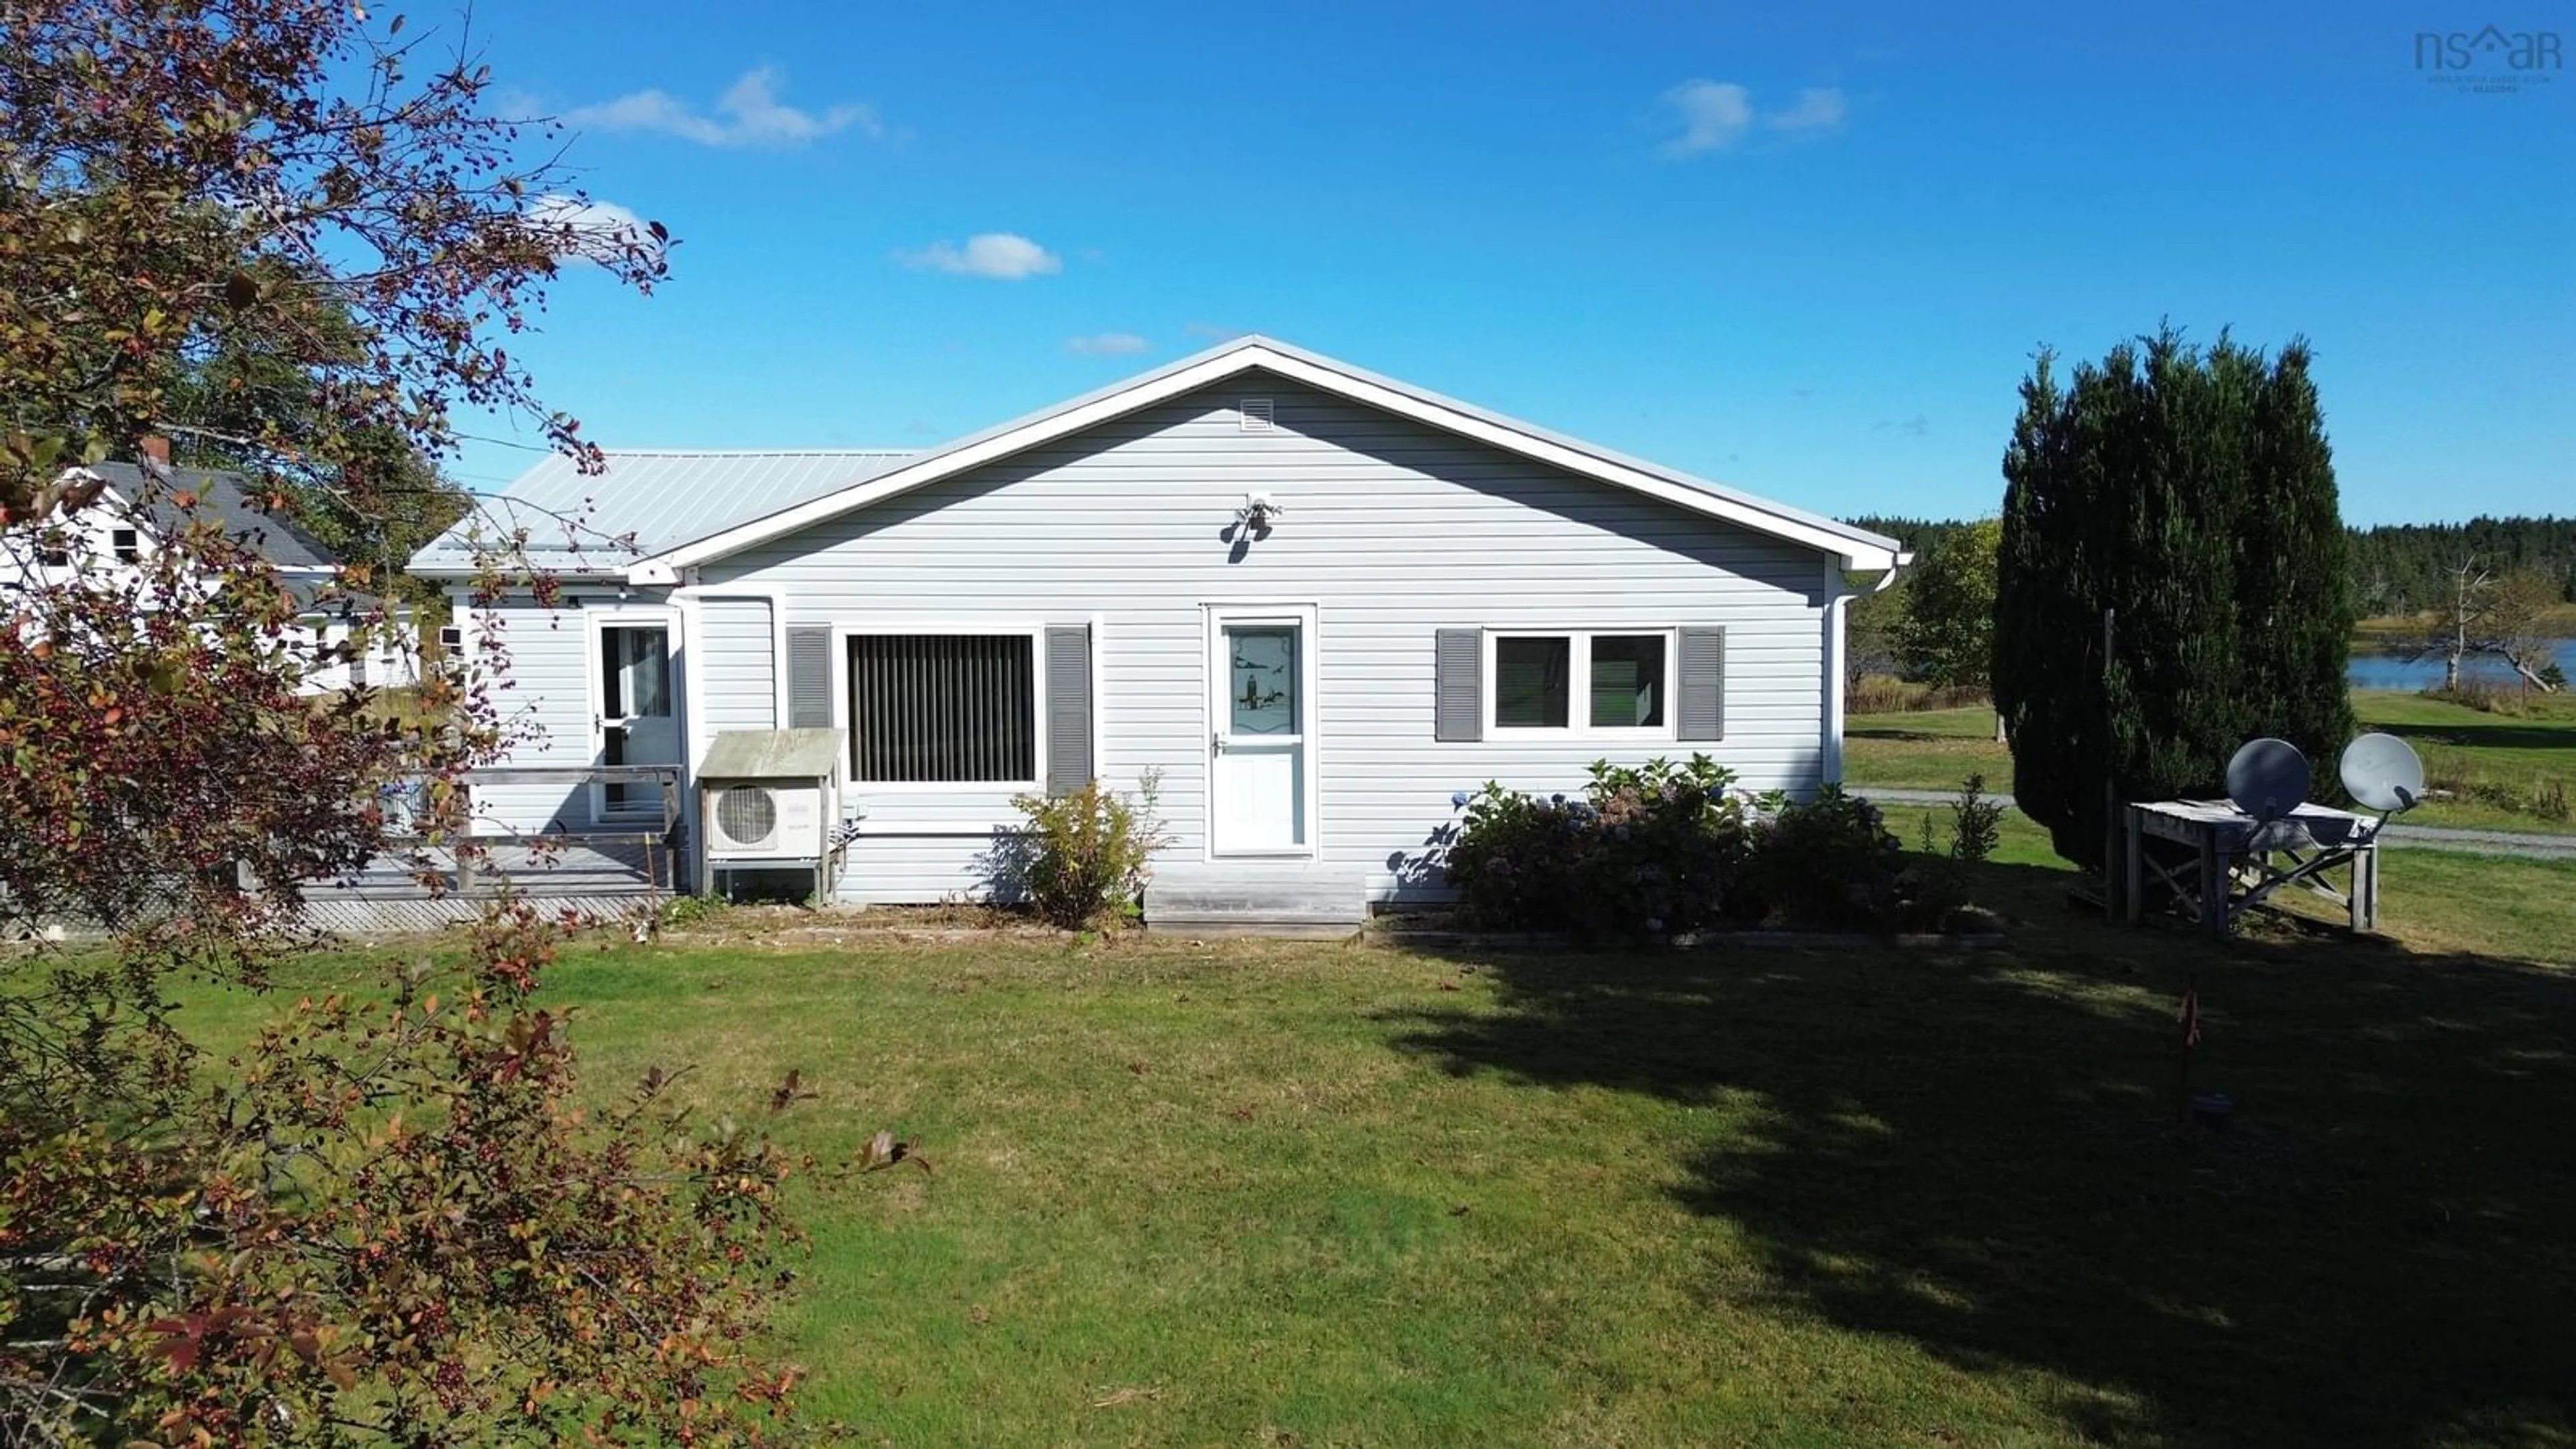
636 719
1260 773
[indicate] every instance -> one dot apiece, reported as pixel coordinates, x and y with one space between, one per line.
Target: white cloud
1816 110
1108 344
584 228
1004 256
1714 115
514 102
748 114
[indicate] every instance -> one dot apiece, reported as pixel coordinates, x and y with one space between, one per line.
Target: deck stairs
1299 901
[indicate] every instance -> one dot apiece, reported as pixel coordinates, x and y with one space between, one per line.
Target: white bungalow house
128 520
1316 601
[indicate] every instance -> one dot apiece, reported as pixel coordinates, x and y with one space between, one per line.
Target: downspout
1840 592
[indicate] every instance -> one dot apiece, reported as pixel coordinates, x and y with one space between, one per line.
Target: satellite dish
2383 773
2268 779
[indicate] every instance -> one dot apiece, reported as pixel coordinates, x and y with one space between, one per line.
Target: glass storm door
1257 775
636 722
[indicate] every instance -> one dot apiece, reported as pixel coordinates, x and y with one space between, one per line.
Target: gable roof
656 512
659 498
1858 549
222 499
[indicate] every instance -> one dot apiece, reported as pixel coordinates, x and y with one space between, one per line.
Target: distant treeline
2397 568
2400 568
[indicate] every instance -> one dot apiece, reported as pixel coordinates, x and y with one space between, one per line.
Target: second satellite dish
2268 779
2382 773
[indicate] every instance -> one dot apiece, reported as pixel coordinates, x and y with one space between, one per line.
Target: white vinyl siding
740 679
1392 531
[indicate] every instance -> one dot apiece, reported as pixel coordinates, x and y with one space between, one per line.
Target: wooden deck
604 872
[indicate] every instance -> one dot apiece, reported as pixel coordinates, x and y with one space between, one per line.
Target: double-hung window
943 709
1581 681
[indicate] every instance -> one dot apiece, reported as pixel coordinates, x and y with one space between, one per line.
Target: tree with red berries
295 238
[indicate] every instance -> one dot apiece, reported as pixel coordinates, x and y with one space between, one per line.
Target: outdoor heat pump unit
770 800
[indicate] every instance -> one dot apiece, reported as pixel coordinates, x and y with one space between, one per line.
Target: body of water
2393 671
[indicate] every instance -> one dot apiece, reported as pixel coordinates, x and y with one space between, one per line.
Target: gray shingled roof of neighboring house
649 499
221 498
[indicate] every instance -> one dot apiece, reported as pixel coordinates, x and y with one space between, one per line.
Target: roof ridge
1255 351
224 495
615 452
796 486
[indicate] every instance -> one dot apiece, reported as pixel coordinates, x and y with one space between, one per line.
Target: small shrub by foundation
1084 857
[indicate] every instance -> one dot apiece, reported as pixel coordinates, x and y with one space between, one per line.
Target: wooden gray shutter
1068 696
809 678
1700 695
1458 686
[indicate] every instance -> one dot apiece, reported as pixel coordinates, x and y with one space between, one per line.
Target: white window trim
842 634
1578 704
460 617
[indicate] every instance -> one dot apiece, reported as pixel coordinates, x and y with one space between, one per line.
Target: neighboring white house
127 521
1317 602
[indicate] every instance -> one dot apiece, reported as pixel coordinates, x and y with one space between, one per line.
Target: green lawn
1935 749
1931 749
1267 1193
2431 901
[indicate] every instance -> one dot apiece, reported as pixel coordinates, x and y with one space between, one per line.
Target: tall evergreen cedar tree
2192 491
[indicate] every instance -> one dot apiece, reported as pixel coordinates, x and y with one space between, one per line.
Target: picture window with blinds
943 708
1582 682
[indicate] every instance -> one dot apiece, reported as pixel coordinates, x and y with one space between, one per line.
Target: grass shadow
2462 735
1883 732
1977 1152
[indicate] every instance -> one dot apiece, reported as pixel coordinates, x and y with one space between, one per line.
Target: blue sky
1807 251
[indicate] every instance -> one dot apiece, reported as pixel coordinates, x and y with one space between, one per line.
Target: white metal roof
647 500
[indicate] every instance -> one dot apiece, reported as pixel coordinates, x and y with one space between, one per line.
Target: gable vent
1254 414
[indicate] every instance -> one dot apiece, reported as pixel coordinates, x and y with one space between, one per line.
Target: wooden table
2233 870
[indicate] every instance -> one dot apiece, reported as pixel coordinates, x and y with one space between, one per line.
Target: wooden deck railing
660 842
